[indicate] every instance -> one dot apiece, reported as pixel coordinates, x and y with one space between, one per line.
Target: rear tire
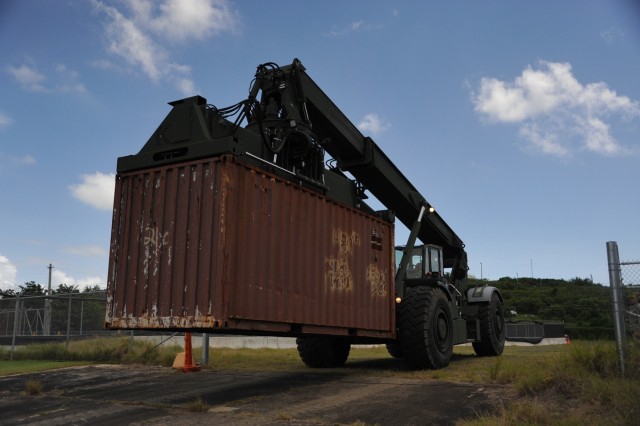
395 350
492 328
426 328
323 352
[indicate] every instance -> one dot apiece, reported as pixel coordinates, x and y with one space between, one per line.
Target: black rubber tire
323 352
395 350
426 328
492 328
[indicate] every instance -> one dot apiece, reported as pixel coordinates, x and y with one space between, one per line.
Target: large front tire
492 328
323 352
426 328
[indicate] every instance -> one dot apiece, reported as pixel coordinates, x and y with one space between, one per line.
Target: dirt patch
102 394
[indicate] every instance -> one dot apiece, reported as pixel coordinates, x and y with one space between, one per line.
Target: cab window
435 260
415 268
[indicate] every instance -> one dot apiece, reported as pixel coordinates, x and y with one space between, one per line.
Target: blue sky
518 121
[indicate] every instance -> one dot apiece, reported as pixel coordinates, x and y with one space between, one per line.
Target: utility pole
46 329
480 270
50 267
531 261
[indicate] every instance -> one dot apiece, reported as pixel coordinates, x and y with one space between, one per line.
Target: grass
31 366
576 384
107 350
198 405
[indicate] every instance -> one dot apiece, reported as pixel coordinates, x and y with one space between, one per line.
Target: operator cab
425 261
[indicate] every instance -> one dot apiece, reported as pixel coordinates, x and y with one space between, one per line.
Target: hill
584 307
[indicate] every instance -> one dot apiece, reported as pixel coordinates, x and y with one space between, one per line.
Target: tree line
31 288
584 307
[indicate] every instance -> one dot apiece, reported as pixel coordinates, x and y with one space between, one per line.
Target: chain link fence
630 277
30 319
62 318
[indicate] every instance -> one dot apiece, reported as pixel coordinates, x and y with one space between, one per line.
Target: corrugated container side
217 244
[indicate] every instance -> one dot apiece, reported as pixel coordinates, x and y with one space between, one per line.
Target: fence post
615 281
205 349
16 315
46 329
69 320
81 315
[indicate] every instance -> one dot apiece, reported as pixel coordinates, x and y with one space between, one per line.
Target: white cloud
353 27
127 40
67 80
29 78
611 35
598 138
180 20
8 160
8 273
96 190
5 120
60 277
186 86
32 80
89 251
547 142
27 160
103 64
143 35
91 281
553 109
373 124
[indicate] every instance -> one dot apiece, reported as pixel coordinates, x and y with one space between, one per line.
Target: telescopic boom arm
360 156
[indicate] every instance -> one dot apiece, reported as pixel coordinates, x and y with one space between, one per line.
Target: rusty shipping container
220 246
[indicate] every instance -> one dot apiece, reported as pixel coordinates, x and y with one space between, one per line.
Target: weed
198 405
494 370
535 383
283 416
33 387
594 357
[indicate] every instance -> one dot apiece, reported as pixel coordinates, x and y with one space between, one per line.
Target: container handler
251 219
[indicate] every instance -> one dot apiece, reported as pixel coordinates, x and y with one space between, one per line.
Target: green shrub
593 357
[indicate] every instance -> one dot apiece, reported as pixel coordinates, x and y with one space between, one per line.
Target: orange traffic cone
188 355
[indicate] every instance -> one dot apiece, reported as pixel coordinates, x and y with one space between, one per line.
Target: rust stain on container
218 245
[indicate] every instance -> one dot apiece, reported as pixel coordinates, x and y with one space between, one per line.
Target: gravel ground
136 395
